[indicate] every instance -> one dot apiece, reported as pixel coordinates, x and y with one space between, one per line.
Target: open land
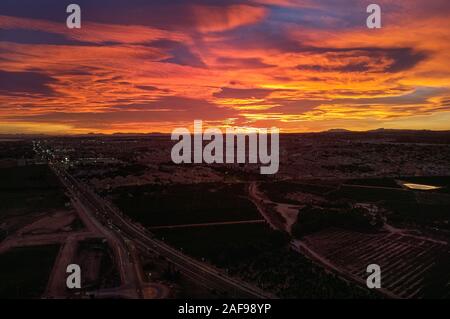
143 227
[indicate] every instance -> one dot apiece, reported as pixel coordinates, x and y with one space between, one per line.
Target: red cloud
212 18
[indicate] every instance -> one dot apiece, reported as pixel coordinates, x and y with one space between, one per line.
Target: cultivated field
24 272
412 267
155 205
262 256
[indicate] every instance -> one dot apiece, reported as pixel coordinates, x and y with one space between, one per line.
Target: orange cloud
240 64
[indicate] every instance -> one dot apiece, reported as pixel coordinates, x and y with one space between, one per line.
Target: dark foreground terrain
340 202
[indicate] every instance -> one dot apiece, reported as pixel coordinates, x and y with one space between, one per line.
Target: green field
154 205
277 191
29 189
24 272
412 213
259 255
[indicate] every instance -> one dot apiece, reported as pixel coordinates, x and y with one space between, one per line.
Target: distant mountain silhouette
338 130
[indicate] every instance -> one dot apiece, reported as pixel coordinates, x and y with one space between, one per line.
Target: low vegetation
312 219
154 205
18 279
257 254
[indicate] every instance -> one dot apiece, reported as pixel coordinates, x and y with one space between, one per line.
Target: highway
106 215
89 213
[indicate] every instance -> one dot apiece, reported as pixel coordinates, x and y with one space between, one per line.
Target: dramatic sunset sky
147 66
